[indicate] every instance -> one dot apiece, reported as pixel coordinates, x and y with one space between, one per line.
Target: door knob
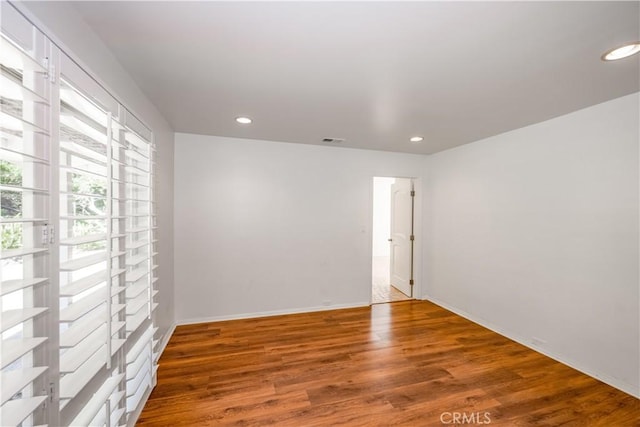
389 240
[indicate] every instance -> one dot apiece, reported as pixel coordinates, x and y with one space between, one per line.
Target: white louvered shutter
79 276
92 259
155 276
140 261
25 191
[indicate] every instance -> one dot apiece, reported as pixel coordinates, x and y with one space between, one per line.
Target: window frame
104 397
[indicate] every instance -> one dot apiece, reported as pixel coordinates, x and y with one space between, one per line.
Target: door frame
418 244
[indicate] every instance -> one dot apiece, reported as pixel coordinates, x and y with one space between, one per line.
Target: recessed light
416 139
622 52
243 120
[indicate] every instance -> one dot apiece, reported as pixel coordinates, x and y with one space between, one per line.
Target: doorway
392 249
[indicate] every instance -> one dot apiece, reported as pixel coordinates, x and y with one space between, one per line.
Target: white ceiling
375 73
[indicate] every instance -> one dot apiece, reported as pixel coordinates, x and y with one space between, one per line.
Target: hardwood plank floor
408 363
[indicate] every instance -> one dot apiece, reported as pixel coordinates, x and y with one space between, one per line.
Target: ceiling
374 73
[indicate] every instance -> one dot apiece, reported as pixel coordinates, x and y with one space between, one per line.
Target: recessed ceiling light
622 52
243 120
416 139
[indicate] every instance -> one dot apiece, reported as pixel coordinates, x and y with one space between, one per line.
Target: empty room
320 213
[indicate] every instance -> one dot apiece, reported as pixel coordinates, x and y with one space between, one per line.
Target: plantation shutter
79 242
140 260
155 276
92 254
25 219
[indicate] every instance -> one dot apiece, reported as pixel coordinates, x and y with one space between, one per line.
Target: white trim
607 379
166 337
195 320
418 187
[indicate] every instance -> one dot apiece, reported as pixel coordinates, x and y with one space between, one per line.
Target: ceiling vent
334 140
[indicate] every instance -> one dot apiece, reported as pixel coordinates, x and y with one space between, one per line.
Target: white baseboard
195 320
613 382
166 337
132 420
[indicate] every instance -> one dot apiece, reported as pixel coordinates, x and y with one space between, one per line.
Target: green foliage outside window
83 205
11 174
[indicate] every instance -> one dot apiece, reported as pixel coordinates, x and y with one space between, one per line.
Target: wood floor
408 363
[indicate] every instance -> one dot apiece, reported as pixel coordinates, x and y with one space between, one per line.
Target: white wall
267 227
535 234
61 23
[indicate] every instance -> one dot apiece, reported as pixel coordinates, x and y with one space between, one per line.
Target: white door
400 239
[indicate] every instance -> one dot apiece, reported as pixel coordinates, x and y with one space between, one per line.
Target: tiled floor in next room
382 290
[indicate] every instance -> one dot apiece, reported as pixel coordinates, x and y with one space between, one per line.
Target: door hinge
411 282
45 234
413 193
45 64
50 393
412 237
51 70
52 235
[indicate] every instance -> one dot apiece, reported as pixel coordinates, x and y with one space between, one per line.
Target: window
25 194
79 246
138 222
91 264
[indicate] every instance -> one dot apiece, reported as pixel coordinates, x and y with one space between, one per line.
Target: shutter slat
9 286
136 366
134 321
80 263
137 245
89 412
135 290
134 383
15 253
81 240
74 311
81 285
131 261
13 349
11 87
11 318
72 384
74 357
79 330
137 229
84 153
11 121
137 304
14 57
137 274
117 344
21 220
14 381
116 415
19 156
16 411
